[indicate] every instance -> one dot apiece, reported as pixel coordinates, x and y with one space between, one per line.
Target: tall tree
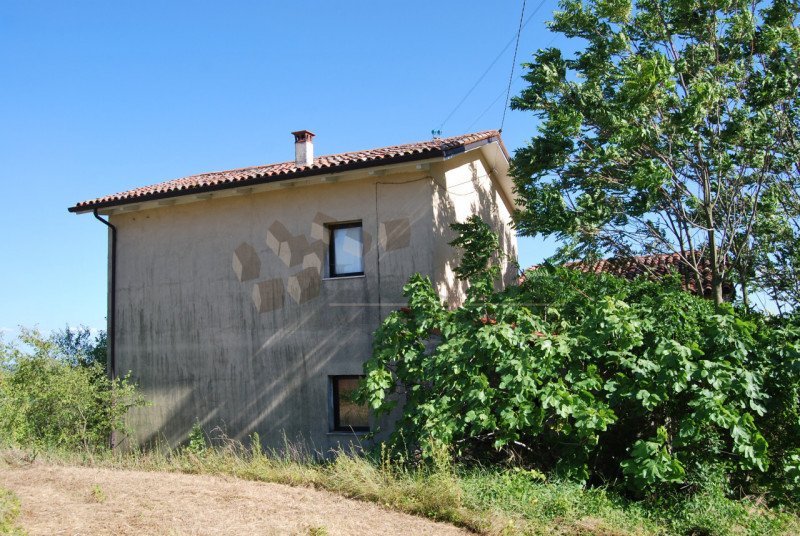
78 347
665 131
777 245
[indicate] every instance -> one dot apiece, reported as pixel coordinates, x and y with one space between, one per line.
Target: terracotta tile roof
287 170
653 267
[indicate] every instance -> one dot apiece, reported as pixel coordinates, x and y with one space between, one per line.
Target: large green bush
48 399
592 377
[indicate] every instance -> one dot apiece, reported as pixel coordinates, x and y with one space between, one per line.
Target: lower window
348 415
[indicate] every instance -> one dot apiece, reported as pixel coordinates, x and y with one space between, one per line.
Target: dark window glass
348 415
346 250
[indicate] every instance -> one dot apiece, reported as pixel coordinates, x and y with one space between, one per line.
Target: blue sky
99 97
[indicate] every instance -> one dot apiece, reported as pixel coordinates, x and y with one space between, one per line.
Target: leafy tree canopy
77 346
674 128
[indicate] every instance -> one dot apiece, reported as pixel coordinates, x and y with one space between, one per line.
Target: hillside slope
80 500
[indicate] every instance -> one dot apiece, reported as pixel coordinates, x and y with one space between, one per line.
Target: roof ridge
346 160
653 265
434 141
619 258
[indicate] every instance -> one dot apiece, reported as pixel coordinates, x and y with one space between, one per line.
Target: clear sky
99 97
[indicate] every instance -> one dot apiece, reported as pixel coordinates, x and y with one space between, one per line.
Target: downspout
112 306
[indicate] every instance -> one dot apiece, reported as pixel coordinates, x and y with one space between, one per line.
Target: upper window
348 416
346 255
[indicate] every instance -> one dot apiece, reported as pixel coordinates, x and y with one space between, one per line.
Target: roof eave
497 155
299 174
303 173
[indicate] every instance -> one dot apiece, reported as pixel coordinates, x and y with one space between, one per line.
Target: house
653 267
247 299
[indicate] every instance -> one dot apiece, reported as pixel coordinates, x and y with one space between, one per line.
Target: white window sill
341 433
362 276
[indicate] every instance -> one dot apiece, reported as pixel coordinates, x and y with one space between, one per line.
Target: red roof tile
287 170
653 267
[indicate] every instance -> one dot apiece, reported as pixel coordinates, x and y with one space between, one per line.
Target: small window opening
346 253
348 415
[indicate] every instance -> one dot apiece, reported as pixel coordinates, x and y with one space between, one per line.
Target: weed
98 495
710 512
197 439
9 511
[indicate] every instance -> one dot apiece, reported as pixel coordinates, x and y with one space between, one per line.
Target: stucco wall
224 315
468 186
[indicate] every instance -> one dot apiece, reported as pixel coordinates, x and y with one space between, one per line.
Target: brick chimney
303 148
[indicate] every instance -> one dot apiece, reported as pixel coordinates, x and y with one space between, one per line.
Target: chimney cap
302 135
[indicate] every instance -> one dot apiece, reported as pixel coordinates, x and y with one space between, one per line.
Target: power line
481 77
513 64
469 128
502 92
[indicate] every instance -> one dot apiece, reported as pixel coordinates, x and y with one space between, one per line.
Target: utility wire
502 92
513 64
500 55
469 128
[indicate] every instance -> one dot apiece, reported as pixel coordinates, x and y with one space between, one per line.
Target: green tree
665 131
593 377
78 346
50 398
777 245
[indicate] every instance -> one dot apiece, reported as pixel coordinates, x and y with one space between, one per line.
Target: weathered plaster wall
468 186
225 318
224 313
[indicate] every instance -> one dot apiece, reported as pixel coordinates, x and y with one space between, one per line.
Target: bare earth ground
87 501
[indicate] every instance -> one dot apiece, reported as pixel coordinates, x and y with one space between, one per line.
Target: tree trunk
745 293
745 298
716 280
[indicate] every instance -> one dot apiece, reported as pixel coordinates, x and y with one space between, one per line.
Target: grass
543 507
710 512
9 511
98 495
496 501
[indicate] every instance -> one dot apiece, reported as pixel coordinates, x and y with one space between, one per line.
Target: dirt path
86 501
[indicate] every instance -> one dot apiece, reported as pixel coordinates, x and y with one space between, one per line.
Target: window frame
336 426
332 228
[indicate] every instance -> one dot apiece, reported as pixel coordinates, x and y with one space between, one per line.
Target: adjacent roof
652 267
443 147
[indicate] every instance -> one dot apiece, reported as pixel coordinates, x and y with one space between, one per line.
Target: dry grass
65 500
490 501
434 493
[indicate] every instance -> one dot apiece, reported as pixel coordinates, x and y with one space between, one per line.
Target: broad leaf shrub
592 378
49 401
778 359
